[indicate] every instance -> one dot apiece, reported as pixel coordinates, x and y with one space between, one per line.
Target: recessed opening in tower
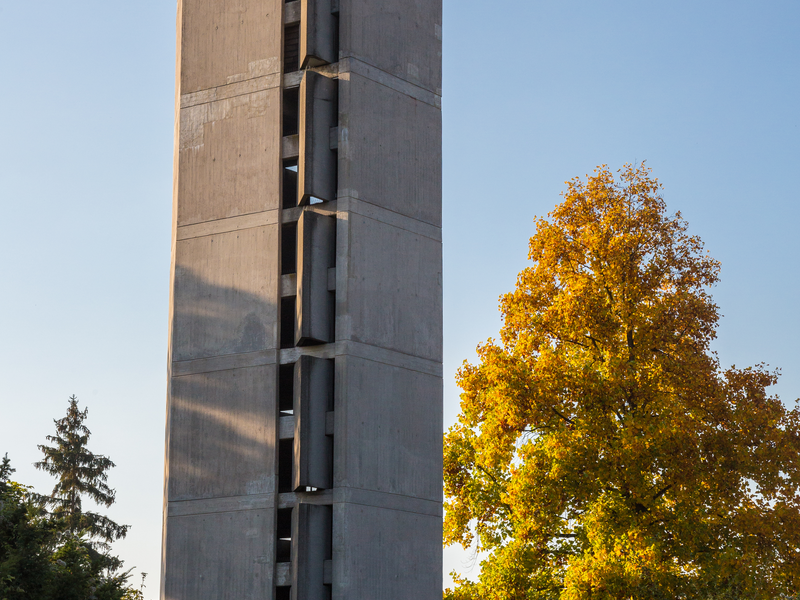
288 321
285 459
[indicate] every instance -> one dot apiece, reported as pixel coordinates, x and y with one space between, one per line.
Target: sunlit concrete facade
304 416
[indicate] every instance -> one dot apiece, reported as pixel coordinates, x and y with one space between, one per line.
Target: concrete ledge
283 574
223 363
231 90
290 146
290 499
293 79
390 357
292 215
288 285
185 508
286 428
194 230
347 202
365 351
291 13
357 66
292 355
387 501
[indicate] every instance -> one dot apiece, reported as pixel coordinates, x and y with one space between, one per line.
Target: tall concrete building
304 410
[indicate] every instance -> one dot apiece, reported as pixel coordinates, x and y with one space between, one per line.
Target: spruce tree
80 474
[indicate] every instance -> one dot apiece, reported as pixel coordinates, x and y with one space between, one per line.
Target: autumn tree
601 451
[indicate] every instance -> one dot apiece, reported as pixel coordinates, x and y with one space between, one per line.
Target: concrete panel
401 37
393 295
311 547
225 293
229 158
223 556
316 173
313 449
388 429
316 253
222 434
390 149
227 40
317 33
383 554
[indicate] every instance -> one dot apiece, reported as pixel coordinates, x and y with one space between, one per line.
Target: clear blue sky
534 94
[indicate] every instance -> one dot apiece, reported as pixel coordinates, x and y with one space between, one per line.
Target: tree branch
567 419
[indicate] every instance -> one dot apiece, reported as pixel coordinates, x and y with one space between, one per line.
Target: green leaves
63 553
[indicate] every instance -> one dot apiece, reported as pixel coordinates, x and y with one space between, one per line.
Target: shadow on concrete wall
222 401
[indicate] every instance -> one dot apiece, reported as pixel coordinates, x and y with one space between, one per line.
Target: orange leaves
601 452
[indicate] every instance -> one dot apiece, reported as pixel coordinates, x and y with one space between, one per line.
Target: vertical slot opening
291 111
336 172
289 249
335 13
286 389
329 551
291 48
332 388
290 183
285 459
287 321
284 535
329 536
283 592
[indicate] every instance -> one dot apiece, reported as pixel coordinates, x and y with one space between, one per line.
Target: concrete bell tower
304 405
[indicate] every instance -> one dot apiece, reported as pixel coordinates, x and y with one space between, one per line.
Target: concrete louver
311 528
313 449
318 114
316 252
317 33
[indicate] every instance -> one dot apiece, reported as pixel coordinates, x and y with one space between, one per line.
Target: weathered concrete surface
225 293
401 37
381 442
220 491
221 434
370 148
226 41
221 555
386 300
228 151
382 554
390 149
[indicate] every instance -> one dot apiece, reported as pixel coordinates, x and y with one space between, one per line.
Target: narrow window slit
288 321
291 111
289 249
291 49
290 183
284 535
285 459
286 389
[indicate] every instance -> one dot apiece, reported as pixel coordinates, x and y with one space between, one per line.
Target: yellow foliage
601 451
